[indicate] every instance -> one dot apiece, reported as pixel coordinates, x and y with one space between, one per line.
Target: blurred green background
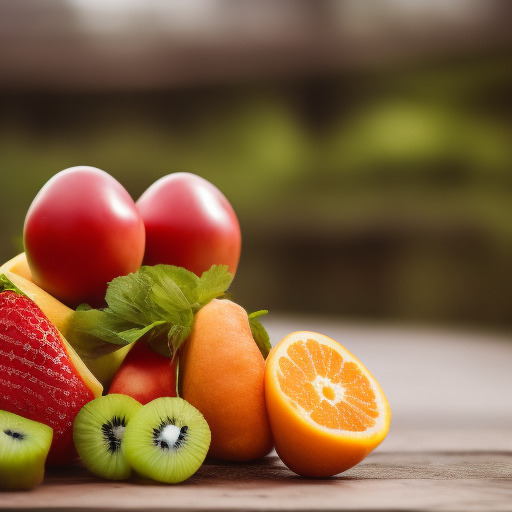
377 189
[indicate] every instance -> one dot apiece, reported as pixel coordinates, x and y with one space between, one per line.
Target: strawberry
41 377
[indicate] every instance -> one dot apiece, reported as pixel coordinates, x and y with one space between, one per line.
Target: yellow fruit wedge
18 272
60 315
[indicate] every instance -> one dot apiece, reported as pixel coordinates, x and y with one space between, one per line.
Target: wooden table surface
449 447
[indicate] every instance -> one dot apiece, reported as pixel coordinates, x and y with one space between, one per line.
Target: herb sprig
157 303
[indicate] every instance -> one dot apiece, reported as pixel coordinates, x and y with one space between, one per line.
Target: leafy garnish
259 332
7 285
157 302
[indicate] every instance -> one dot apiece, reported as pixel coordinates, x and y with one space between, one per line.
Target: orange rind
327 411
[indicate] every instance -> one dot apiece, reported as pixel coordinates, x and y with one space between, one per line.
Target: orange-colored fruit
326 410
222 375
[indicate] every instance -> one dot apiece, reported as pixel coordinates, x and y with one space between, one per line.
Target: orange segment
317 356
321 397
336 366
300 355
316 379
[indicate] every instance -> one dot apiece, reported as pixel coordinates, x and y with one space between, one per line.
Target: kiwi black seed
24 446
167 440
98 433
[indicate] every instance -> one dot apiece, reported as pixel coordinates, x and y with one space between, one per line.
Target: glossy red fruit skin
81 231
145 375
189 223
37 379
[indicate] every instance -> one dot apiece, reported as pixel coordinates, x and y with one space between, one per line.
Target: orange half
326 410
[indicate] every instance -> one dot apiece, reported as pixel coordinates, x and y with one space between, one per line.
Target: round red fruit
145 374
189 223
81 231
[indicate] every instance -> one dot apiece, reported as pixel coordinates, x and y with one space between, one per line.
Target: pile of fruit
119 344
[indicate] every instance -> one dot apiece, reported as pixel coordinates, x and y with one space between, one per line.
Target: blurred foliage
383 194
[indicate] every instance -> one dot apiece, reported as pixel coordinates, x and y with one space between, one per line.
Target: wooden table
446 451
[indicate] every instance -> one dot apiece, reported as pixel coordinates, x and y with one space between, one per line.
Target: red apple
145 374
189 223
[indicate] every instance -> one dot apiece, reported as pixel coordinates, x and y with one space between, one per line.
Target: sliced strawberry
38 379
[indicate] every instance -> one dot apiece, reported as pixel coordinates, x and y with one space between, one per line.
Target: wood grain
443 452
396 480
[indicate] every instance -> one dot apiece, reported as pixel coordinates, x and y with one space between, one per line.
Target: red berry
37 377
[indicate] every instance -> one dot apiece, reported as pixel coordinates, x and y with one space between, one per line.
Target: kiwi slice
98 434
167 440
24 446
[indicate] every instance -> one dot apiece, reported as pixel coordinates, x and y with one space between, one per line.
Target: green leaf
94 332
6 284
157 303
186 283
134 334
259 332
213 284
83 307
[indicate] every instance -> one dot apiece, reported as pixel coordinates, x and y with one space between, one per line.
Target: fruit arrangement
119 345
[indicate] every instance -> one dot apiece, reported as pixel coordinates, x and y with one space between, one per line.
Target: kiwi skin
167 440
98 434
24 446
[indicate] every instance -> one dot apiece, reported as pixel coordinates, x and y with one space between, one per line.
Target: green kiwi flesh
98 434
24 446
167 440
